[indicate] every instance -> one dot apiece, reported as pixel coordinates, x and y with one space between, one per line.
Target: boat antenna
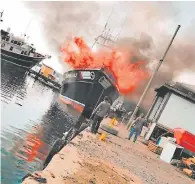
1 15
25 33
109 16
107 39
117 36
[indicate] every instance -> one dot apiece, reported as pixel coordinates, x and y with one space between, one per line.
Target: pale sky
17 17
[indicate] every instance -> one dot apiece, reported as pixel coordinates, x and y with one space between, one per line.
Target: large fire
128 75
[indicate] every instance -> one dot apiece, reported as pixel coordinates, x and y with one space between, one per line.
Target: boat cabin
11 43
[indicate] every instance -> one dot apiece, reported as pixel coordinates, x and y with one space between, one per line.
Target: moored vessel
17 51
83 90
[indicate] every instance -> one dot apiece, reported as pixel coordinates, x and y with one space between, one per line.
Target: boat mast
106 38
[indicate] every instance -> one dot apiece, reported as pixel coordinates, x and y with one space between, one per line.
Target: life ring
3 45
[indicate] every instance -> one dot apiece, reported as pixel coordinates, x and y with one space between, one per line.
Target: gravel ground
136 158
132 162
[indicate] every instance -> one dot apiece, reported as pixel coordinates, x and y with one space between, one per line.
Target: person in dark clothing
100 112
137 127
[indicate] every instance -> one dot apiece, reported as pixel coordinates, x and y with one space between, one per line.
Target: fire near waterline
128 74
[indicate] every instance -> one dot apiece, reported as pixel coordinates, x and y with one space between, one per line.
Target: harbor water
31 120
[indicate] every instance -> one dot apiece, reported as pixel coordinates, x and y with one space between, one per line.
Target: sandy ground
97 172
113 161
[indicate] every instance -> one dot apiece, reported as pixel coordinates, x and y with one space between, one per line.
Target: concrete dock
113 161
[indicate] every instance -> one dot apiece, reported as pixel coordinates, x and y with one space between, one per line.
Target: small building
173 107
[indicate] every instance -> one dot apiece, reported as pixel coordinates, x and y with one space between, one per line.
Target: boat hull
20 60
85 89
68 106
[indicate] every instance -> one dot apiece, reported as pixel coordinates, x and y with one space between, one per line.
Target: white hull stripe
16 58
16 64
72 100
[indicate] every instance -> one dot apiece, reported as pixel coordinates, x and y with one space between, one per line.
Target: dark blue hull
85 89
20 60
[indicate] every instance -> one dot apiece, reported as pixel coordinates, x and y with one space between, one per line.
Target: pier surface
113 161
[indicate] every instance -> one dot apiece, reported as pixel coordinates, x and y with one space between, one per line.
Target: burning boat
83 90
17 51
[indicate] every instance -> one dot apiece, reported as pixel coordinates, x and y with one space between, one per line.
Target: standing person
137 127
100 112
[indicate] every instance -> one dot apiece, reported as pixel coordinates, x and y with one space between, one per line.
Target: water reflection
12 83
31 121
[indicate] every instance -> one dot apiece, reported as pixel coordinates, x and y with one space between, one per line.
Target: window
11 48
3 45
54 73
12 41
15 42
111 75
22 52
7 39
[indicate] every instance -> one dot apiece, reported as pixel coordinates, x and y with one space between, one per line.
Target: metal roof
185 90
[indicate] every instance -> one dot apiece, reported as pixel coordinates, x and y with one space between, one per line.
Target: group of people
102 111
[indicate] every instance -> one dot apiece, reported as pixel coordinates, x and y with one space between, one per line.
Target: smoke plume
153 25
62 20
148 29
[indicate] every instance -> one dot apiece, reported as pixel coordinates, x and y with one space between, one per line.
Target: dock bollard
102 137
113 122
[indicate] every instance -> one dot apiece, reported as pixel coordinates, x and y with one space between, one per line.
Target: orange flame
128 75
36 144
